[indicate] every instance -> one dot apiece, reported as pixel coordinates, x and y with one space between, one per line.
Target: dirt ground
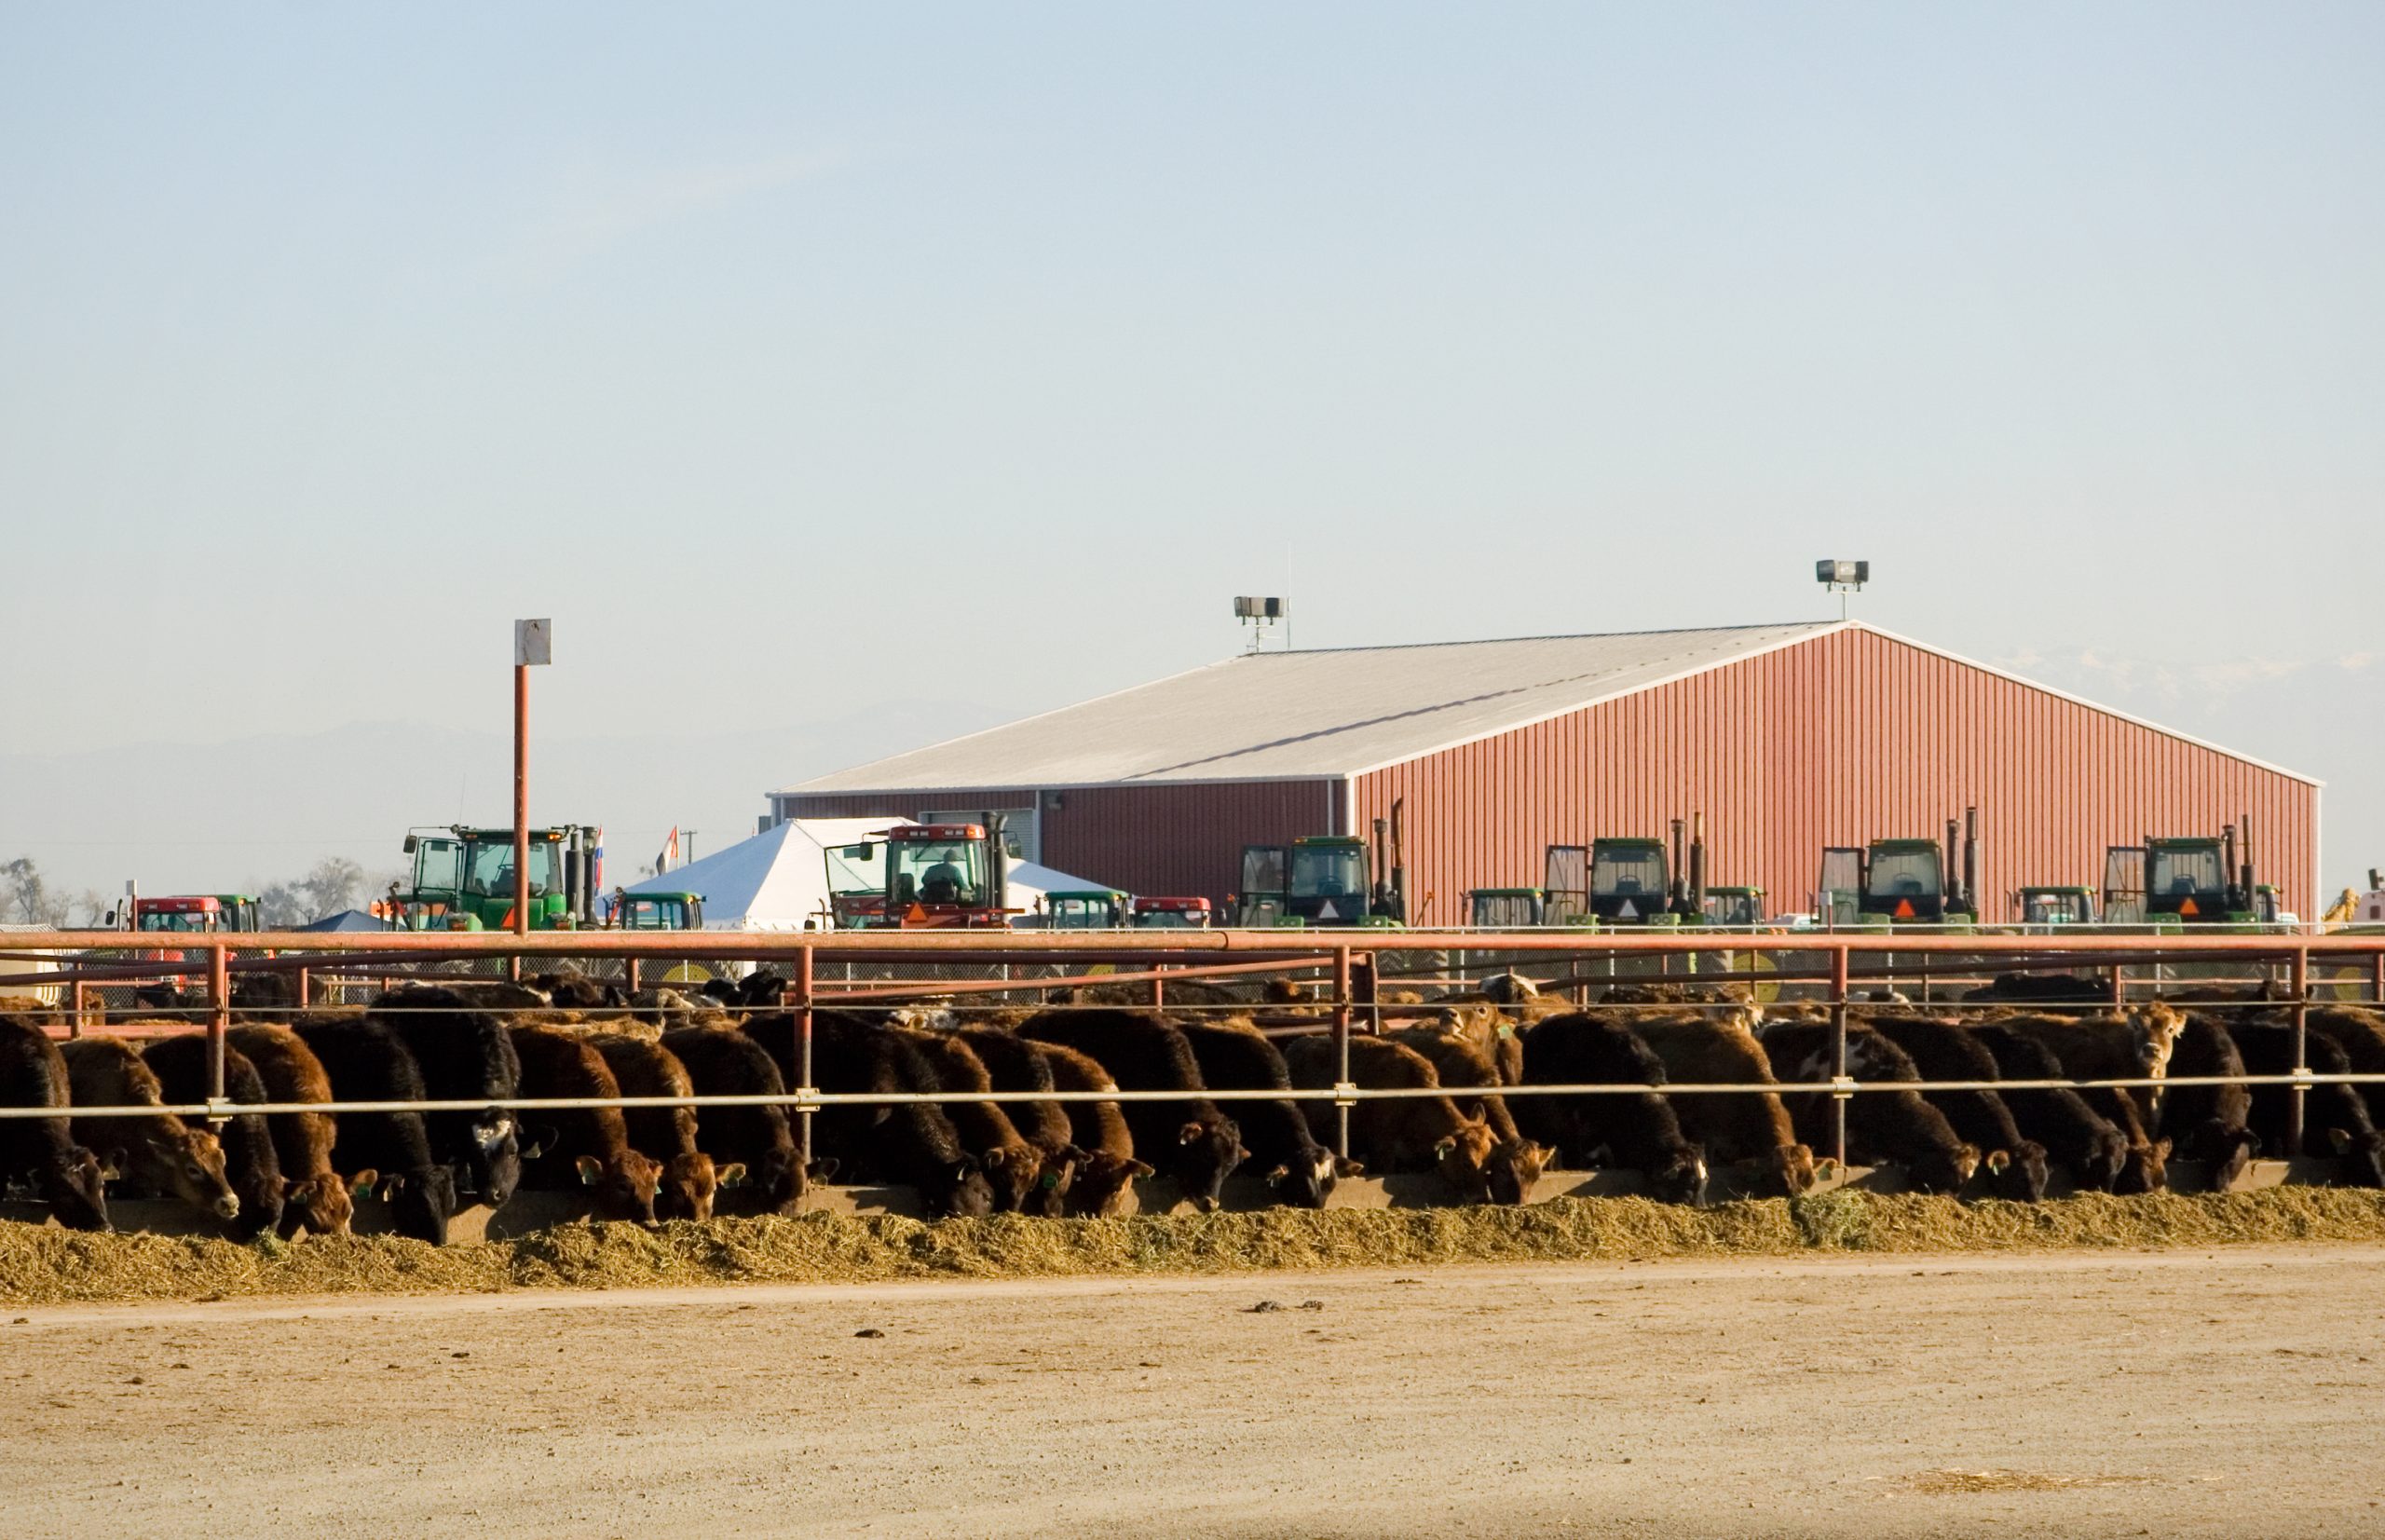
2232 1392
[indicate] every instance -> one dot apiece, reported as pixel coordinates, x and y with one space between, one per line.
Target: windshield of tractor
2195 869
1505 911
1628 870
1724 908
1080 913
491 874
1170 919
653 913
438 865
1904 874
180 920
1329 871
2053 908
938 871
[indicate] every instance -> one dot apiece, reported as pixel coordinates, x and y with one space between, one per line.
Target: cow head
1680 1177
1011 1170
496 1156
1513 1168
2362 1156
1461 1156
191 1161
321 1204
781 1178
75 1191
2156 1027
1306 1181
1055 1176
958 1191
1943 1169
621 1186
2146 1169
2019 1173
1208 1148
686 1188
2105 1157
1788 1169
1102 1184
421 1202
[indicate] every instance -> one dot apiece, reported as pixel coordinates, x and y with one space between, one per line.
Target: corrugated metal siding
1177 840
1850 736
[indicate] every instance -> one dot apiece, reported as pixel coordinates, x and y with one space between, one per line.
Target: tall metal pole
219 1015
2301 977
521 801
1341 1050
1838 972
801 990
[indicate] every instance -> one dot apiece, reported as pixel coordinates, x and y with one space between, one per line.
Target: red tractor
935 875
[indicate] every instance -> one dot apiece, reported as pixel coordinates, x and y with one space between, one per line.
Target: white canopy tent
779 879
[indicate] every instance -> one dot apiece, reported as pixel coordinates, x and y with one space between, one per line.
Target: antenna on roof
1262 616
1840 577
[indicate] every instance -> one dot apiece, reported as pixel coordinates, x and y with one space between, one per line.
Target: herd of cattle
1003 1150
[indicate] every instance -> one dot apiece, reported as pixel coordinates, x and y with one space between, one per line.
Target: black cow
465 1055
1945 1050
914 1143
1881 1125
368 1062
1187 1138
2334 1118
2076 1138
2209 1123
249 1163
723 1063
1236 1057
66 1175
1635 1129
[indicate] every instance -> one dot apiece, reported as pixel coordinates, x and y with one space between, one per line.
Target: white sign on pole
533 643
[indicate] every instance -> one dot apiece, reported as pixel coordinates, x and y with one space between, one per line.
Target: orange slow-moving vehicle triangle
1904 908
2189 907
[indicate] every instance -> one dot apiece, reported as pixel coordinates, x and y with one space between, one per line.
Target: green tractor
656 911
1739 907
2051 906
463 879
1506 908
2184 880
1898 882
1084 909
1323 879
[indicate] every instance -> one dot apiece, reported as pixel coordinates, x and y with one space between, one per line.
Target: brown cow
1753 1127
154 1148
643 1068
2135 1044
590 1146
1402 1134
1105 1175
1013 1167
316 1198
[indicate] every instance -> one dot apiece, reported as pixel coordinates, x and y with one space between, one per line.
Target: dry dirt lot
2225 1393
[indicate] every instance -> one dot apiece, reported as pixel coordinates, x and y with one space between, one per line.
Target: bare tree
29 900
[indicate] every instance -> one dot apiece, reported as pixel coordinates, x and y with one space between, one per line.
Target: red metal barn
1787 738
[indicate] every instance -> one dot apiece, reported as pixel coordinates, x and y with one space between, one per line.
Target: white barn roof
1326 713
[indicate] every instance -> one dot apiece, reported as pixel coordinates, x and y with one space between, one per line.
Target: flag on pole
670 856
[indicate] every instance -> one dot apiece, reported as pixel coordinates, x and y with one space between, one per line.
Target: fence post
629 974
1342 1051
801 990
305 989
82 1008
1159 989
2376 978
1838 991
1365 991
219 1015
2301 977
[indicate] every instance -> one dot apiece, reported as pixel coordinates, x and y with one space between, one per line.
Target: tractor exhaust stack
1970 860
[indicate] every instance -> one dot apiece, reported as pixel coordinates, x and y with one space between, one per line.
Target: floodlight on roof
1261 615
1841 577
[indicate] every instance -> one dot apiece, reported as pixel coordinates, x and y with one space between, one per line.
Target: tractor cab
240 912
1630 884
2055 906
1898 882
463 879
2190 881
656 911
1736 907
1166 914
1084 909
183 915
1323 879
1505 908
933 876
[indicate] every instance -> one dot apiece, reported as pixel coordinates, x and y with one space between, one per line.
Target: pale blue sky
802 363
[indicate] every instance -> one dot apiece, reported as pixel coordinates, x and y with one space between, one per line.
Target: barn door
2125 885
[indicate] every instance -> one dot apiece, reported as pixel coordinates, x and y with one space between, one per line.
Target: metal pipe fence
1347 967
